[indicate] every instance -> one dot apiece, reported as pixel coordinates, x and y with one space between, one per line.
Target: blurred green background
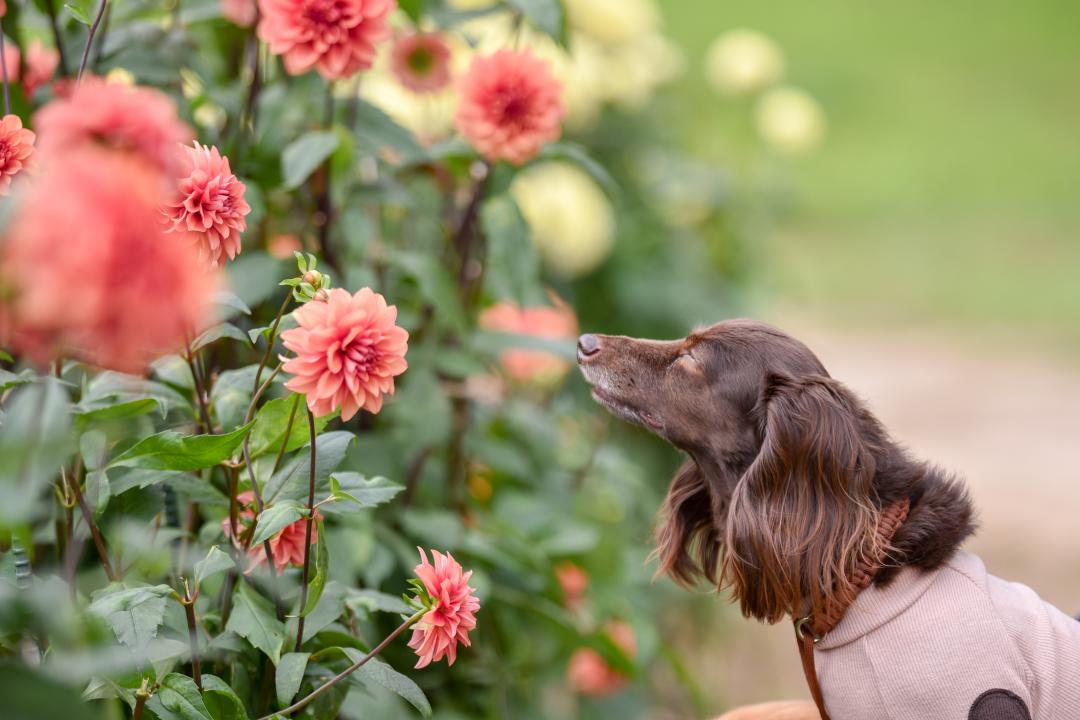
946 190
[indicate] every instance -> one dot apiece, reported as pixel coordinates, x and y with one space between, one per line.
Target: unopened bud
322 296
313 278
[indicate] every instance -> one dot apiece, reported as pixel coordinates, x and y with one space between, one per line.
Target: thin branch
200 391
88 517
307 532
3 65
306 700
193 633
90 39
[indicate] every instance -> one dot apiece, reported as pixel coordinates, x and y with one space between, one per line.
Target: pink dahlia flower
41 64
11 60
511 106
574 581
348 351
91 274
549 323
287 546
16 150
335 37
209 207
437 634
590 674
239 12
122 117
421 61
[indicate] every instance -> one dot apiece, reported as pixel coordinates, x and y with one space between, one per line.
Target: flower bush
289 288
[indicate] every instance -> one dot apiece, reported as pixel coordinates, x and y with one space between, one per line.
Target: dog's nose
588 345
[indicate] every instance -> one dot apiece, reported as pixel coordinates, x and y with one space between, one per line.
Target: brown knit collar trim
817 627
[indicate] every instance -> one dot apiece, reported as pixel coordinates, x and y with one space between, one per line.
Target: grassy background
947 191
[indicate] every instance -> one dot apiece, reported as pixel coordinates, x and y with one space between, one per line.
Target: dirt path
1005 420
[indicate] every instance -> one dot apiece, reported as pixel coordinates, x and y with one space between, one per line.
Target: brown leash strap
809 631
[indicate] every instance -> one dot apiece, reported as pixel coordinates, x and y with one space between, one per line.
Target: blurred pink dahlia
208 208
41 64
590 674
511 106
348 351
549 323
421 61
437 634
239 12
16 150
287 546
93 277
128 118
335 37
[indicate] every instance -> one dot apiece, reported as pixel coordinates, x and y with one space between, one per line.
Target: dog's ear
802 515
687 534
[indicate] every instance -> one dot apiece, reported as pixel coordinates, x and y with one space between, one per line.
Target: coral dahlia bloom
511 106
41 64
348 351
16 150
574 581
287 546
549 323
590 674
128 118
209 207
335 37
239 12
437 634
91 274
421 61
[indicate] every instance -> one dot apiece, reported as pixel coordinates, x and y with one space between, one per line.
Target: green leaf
513 261
179 695
290 482
435 283
30 695
170 450
36 440
134 614
376 131
9 379
578 155
362 491
221 330
221 700
216 561
123 409
98 491
302 156
272 420
231 395
231 303
322 569
547 15
413 8
80 13
380 673
109 388
373 600
276 517
289 676
253 619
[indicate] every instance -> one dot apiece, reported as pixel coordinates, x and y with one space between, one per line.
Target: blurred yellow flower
470 4
613 22
790 121
121 76
742 61
571 221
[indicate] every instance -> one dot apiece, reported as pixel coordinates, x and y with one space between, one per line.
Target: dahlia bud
312 284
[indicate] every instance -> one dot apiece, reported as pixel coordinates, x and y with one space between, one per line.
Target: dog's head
777 500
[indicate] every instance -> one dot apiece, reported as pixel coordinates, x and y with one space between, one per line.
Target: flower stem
199 382
193 634
90 38
141 696
88 517
303 702
3 66
307 532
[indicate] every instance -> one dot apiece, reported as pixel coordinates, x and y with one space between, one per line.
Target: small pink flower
550 323
421 61
11 60
90 272
589 674
348 351
287 546
335 37
239 12
437 634
128 118
511 106
574 581
283 246
209 206
16 150
41 64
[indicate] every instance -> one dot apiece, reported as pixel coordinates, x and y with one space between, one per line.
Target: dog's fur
787 470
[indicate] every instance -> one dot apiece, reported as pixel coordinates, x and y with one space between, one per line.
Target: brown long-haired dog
780 498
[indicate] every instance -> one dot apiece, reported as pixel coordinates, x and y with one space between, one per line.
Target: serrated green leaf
302 156
179 695
216 561
232 304
275 518
322 569
134 614
170 450
364 492
221 330
380 673
272 421
253 619
122 409
221 700
374 600
290 482
290 675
